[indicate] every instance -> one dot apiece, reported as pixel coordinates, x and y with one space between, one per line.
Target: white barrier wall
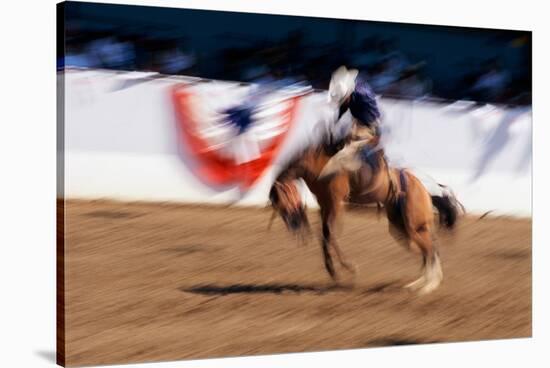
121 142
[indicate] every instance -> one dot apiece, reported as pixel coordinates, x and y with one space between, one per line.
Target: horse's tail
448 207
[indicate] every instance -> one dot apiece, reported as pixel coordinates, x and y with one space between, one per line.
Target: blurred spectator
111 53
491 84
411 84
77 56
174 61
294 58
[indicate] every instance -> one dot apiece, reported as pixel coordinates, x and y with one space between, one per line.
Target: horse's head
286 201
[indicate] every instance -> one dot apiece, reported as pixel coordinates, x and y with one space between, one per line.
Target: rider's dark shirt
362 105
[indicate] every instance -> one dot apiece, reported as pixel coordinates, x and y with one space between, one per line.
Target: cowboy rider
350 90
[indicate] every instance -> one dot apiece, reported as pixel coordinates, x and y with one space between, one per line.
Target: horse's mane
295 168
322 138
293 165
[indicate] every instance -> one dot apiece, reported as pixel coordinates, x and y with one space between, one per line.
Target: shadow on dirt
274 288
263 288
391 286
184 250
511 255
112 215
395 341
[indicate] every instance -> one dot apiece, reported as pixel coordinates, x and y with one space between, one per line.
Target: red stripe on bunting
213 167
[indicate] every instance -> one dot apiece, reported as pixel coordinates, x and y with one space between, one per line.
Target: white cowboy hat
342 84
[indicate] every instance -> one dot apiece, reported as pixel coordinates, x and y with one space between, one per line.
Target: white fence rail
121 142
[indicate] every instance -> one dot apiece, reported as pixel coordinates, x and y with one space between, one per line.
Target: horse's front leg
342 259
338 207
329 242
329 265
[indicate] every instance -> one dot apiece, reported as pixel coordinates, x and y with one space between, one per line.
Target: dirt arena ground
154 282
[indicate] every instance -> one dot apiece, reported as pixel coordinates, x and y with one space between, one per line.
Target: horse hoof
427 289
334 278
416 284
430 286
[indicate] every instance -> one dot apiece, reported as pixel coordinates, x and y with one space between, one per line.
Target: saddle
374 160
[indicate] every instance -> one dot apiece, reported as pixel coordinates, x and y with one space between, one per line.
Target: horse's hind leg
399 236
421 281
402 238
432 273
